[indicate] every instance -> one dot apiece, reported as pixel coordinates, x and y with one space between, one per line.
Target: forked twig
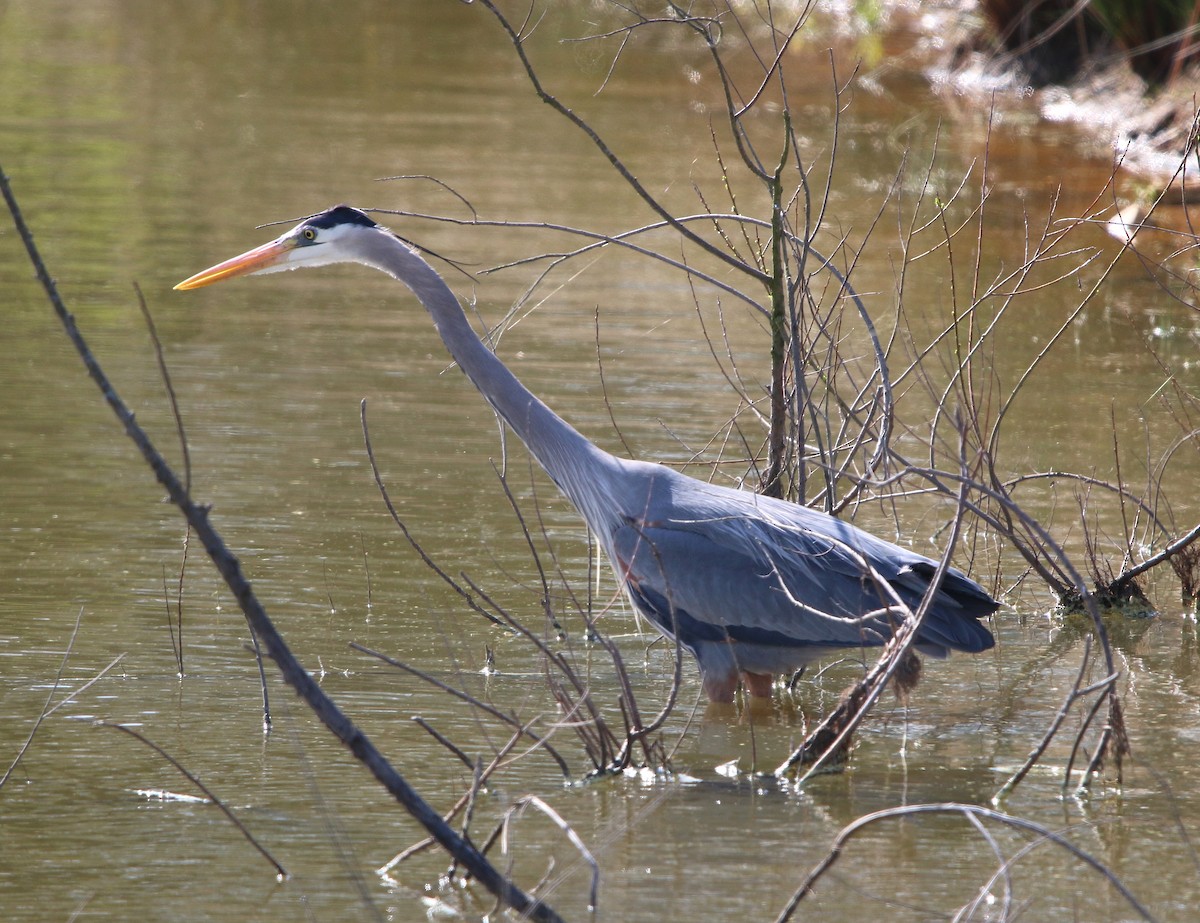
45 712
463 802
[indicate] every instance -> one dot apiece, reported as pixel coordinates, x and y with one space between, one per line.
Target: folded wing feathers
821 580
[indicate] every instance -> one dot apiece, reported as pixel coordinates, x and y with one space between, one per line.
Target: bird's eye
309 234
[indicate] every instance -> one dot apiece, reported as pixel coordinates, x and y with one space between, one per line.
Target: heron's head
317 241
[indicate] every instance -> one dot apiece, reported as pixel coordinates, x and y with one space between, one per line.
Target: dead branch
463 802
518 43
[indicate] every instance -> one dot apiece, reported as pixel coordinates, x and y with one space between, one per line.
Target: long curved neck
569 458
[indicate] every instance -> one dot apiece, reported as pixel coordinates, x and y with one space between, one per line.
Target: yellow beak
256 260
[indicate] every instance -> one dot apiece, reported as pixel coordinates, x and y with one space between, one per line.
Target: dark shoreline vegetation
847 407
1058 41
1130 67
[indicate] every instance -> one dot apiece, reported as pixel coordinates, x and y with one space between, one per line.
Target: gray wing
765 572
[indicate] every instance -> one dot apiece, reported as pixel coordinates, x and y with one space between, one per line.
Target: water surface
146 141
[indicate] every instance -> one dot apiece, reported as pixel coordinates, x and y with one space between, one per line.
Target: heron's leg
758 685
720 685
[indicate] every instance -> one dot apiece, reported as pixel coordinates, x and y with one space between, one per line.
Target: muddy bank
1072 76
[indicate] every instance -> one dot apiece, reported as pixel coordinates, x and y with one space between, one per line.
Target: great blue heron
753 587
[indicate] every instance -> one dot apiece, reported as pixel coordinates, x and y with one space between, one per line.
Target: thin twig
518 44
416 546
496 763
444 741
45 712
1052 730
165 372
208 792
533 800
470 700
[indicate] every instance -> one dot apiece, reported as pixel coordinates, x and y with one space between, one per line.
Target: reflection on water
145 141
